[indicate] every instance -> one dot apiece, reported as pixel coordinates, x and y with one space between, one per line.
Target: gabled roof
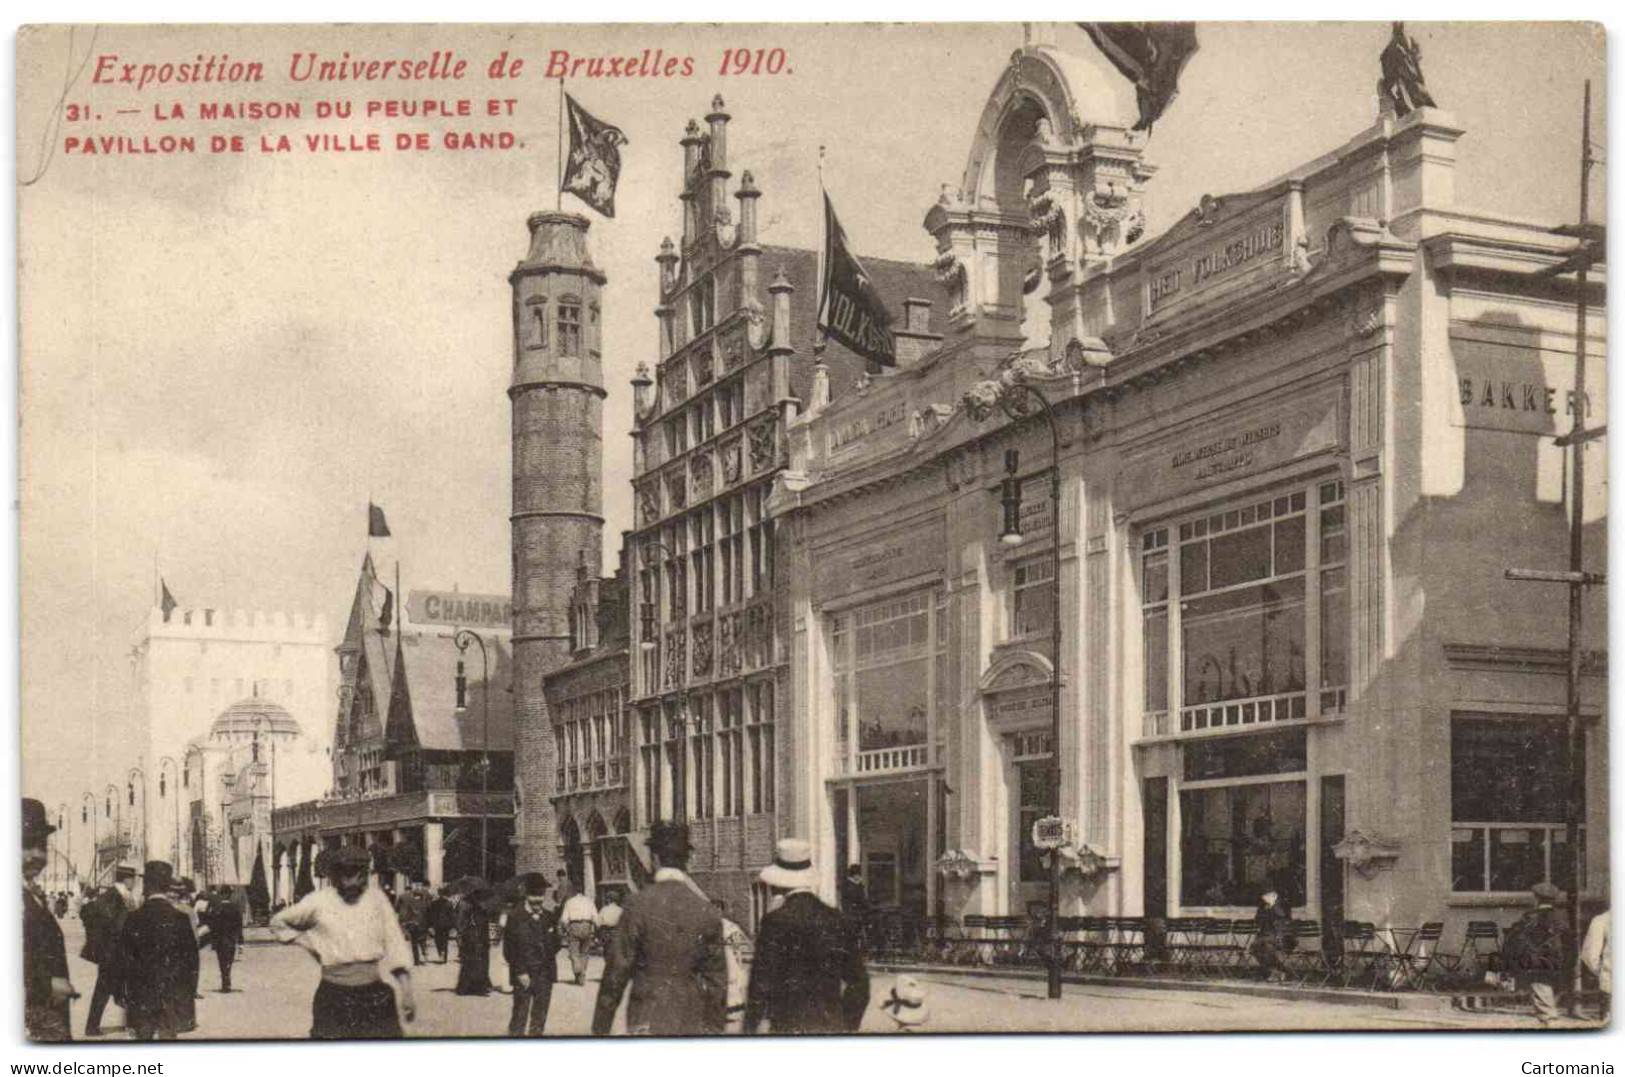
895 281
423 699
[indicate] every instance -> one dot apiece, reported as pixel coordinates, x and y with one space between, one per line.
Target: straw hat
906 1003
792 867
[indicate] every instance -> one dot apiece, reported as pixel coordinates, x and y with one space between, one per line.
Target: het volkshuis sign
1215 257
459 609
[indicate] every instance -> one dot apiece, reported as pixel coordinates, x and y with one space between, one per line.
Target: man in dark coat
103 918
530 945
440 918
808 975
223 924
1536 950
412 909
669 948
46 987
158 952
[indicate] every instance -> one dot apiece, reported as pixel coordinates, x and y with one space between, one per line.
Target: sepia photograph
812 529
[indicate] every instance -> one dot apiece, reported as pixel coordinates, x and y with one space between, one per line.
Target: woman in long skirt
474 948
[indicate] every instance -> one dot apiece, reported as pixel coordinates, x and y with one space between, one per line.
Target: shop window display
1507 792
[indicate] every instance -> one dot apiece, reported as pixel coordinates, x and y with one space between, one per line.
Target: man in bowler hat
808 975
103 918
1536 950
669 948
530 945
46 987
223 926
158 954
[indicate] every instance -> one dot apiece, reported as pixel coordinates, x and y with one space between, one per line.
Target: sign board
1242 245
1051 832
1520 389
1215 452
900 554
453 608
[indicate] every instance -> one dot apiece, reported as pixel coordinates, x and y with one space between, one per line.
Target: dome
245 717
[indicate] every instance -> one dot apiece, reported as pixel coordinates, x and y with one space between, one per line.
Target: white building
189 668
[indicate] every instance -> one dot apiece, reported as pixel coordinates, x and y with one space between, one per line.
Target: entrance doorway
882 827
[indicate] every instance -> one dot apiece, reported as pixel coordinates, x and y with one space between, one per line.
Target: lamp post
1018 400
146 848
461 639
264 719
163 793
87 817
118 825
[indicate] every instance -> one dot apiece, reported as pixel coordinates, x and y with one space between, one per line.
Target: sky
225 357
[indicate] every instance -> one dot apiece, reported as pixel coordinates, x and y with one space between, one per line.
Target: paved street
274 986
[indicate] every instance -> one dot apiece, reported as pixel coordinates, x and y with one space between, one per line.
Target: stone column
434 851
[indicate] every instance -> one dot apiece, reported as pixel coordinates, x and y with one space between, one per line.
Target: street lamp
87 815
163 792
461 639
118 825
1019 400
146 848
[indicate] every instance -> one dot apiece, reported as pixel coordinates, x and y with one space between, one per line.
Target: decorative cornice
1367 852
1511 658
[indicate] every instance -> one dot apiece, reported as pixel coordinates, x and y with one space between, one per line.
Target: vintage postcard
690 530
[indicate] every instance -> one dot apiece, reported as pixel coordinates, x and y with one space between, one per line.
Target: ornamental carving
702 363
929 419
1110 219
728 658
733 461
704 475
733 348
702 650
950 270
1367 852
649 504
676 382
1084 860
677 489
960 864
762 446
1207 210
676 657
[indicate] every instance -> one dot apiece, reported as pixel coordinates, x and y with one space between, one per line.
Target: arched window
536 322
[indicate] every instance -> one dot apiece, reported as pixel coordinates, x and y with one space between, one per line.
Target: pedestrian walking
905 1005
474 945
808 974
186 901
668 949
609 918
736 954
103 917
1596 954
580 919
223 929
47 990
366 987
440 918
530 946
413 910
158 952
1536 950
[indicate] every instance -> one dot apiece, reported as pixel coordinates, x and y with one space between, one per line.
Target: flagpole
559 194
823 261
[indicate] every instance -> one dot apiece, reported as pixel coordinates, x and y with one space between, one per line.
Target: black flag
852 311
167 603
594 166
1149 54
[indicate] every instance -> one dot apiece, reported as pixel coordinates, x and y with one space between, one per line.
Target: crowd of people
681 964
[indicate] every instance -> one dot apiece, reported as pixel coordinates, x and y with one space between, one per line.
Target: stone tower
558 402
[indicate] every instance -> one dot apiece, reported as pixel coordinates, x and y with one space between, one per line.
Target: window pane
1562 862
1334 629
1244 643
891 706
1505 770
1517 857
1289 545
1193 568
1239 841
1034 610
1156 660
1034 779
1467 860
1240 556
1155 587
1332 537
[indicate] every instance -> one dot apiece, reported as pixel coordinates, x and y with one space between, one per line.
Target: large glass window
569 328
704 556
1032 598
762 740
732 511
730 742
649 721
1035 790
677 762
1508 784
704 760
1232 586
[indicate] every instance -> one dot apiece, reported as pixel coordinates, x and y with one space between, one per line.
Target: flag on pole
167 603
593 167
1149 54
851 310
377 526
